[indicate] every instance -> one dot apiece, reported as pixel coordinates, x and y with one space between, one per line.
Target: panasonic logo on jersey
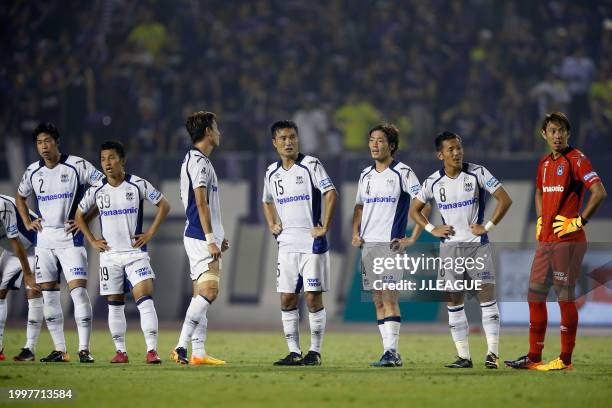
553 189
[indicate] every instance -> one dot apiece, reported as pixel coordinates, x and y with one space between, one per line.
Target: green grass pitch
250 380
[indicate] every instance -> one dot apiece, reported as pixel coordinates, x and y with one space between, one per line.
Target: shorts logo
299 180
313 282
562 276
468 186
144 271
78 271
64 178
560 170
129 196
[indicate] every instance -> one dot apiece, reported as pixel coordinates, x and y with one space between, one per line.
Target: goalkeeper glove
538 228
563 225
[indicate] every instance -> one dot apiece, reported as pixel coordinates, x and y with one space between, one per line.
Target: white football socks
35 319
3 314
148 321
82 315
490 325
52 310
457 320
117 324
317 329
196 312
291 322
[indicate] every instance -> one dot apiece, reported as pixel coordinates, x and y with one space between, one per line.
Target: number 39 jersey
461 200
297 195
121 210
58 192
385 197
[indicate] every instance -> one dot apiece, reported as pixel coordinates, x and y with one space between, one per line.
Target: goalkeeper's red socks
538 320
569 327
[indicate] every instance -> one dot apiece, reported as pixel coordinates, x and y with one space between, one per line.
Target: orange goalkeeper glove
563 225
538 228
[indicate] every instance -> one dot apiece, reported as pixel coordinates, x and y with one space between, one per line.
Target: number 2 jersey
385 197
11 225
58 192
197 171
461 200
297 196
121 210
563 182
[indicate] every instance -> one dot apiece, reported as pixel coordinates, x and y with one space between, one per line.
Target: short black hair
557 117
48 128
283 124
391 132
446 135
113 145
197 123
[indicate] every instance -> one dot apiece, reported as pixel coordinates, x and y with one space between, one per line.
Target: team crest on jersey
560 170
64 178
129 196
299 180
468 186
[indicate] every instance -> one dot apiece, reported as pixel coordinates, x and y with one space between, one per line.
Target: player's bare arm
503 204
201 199
597 196
20 252
100 244
416 213
272 218
24 213
357 241
163 208
402 244
331 198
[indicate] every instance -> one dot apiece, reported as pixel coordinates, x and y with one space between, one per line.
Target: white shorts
119 273
10 270
73 262
297 270
199 257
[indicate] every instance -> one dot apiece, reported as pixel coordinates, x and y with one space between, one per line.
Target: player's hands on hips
563 225
538 228
71 226
318 232
35 225
443 231
214 251
141 239
100 244
224 245
478 229
400 245
357 242
276 229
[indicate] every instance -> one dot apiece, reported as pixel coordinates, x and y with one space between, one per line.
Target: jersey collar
568 149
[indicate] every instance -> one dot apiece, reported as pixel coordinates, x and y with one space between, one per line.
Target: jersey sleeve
267 193
25 188
488 181
199 172
9 220
359 198
583 171
88 200
150 193
321 180
539 177
90 174
410 183
425 194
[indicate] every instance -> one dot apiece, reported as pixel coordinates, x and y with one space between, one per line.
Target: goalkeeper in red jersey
563 177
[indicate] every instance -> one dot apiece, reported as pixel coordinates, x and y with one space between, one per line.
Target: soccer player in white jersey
459 190
294 189
16 264
58 182
124 262
379 227
204 237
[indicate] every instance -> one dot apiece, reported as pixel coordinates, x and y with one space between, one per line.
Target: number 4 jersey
58 192
297 195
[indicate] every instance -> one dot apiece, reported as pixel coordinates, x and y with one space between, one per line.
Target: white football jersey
12 226
121 210
385 197
297 195
461 201
58 192
197 171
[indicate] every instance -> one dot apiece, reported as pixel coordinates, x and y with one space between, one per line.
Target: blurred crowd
134 70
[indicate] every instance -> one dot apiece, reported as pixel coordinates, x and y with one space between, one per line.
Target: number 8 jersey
297 195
